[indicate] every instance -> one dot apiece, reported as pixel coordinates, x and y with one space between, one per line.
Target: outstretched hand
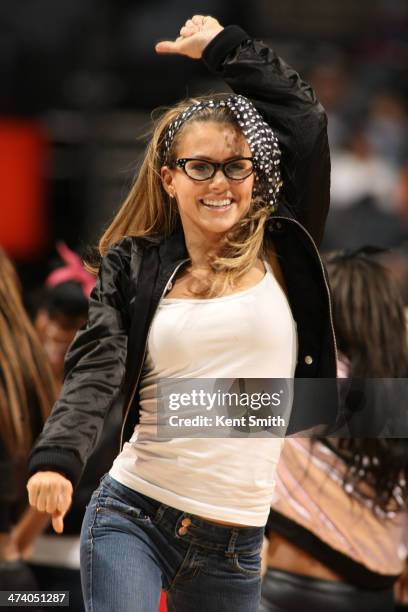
195 35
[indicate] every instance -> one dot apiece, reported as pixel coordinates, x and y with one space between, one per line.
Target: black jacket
106 358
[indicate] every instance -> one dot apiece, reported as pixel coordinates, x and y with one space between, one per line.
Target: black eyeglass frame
181 163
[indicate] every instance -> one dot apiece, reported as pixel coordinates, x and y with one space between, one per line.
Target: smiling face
212 207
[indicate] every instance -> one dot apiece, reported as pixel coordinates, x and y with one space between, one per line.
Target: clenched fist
51 492
195 35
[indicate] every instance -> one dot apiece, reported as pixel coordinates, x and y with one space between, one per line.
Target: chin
217 232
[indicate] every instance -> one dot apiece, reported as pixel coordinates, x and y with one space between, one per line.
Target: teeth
217 203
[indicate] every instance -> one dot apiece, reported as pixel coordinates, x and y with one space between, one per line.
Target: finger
42 498
189 24
64 501
52 499
32 490
168 46
198 19
58 522
188 30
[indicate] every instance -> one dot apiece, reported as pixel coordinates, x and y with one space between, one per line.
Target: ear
167 181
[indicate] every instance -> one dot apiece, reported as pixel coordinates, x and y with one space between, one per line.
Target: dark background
80 78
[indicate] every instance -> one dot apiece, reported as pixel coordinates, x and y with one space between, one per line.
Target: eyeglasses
203 170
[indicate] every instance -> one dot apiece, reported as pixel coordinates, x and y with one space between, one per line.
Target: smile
217 203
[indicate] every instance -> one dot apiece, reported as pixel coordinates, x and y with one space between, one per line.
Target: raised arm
287 103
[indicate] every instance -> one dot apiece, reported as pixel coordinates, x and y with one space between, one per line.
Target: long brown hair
149 210
370 325
369 316
27 388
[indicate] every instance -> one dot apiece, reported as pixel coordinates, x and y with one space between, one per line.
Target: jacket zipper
324 276
144 353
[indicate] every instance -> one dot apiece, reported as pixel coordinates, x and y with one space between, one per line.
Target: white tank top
250 334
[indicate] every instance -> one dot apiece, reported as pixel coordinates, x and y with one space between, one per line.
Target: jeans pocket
112 506
248 563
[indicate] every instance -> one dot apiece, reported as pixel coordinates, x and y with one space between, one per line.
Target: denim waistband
201 532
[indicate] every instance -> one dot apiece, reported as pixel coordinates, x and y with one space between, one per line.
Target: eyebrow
212 159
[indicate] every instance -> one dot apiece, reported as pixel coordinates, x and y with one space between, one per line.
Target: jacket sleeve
94 373
290 107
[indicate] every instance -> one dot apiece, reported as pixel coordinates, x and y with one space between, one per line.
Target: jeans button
182 531
186 522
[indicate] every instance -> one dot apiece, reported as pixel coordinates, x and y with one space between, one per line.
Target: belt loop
231 544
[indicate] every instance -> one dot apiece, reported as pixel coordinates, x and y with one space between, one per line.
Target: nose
219 180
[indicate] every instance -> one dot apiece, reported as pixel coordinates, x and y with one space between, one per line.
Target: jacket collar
283 211
173 247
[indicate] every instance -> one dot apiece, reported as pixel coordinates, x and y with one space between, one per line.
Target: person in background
27 392
337 527
61 312
63 308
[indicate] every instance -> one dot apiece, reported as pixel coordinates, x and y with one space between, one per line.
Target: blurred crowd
365 93
92 101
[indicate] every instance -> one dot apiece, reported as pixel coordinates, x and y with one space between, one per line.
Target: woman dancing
205 273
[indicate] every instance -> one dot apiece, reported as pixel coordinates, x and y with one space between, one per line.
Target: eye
238 165
239 169
198 169
199 166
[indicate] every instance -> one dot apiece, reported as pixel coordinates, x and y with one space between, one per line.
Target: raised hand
195 35
51 492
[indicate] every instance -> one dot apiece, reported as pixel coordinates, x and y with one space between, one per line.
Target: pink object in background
73 270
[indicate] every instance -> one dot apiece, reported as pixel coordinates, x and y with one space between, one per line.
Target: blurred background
80 78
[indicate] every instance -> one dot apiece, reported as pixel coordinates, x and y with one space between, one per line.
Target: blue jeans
132 548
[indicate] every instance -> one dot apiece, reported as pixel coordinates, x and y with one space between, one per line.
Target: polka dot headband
260 137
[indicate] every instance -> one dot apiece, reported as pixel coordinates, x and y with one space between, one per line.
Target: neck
200 249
